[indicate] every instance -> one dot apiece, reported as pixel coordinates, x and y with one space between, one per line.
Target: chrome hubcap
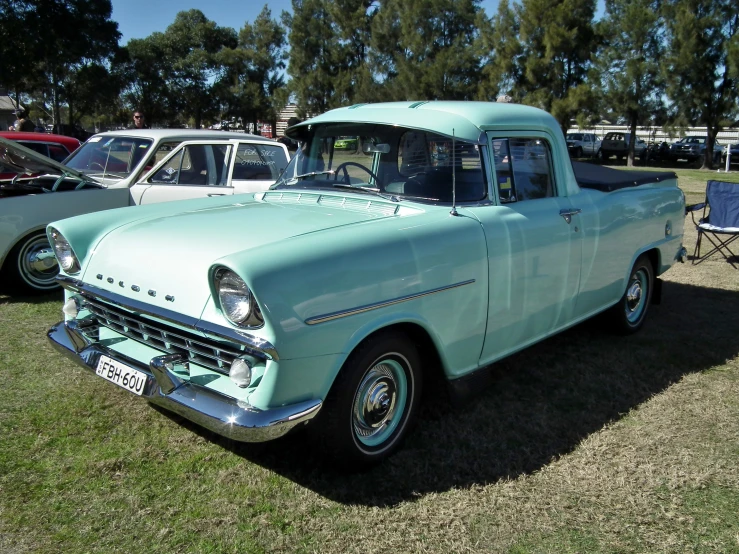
633 296
636 296
375 401
37 265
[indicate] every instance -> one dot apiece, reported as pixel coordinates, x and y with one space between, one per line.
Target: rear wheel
32 266
373 402
628 315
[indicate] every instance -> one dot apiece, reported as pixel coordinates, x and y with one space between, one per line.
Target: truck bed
606 179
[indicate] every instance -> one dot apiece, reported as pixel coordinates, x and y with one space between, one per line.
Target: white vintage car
113 170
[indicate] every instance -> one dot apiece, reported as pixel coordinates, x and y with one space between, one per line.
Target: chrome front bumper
221 414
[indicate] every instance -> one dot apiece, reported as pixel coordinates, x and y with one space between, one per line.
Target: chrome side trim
378 305
210 329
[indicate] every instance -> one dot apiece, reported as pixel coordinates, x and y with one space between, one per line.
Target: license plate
122 375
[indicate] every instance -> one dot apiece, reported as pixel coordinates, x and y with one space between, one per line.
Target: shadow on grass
7 297
543 402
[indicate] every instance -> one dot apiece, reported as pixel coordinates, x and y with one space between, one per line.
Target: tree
18 72
143 71
254 71
629 61
424 49
191 47
68 35
557 39
700 65
314 62
91 90
500 52
353 23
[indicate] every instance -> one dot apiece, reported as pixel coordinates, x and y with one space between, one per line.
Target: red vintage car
56 147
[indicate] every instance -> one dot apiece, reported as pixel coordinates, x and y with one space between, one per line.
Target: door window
39 147
259 162
196 165
57 152
523 168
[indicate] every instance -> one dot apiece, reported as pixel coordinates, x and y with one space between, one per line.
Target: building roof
7 104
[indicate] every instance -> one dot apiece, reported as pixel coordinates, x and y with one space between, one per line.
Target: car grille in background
200 350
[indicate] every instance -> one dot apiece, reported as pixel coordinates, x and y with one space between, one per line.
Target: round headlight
64 253
234 295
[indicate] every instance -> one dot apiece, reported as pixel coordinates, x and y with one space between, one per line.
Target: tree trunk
57 108
710 145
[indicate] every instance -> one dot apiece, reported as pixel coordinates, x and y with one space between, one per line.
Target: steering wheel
346 173
97 164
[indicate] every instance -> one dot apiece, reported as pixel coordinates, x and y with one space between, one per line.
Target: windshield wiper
313 174
373 190
294 178
107 174
355 187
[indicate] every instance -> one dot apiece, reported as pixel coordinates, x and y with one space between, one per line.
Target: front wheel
373 402
628 315
32 266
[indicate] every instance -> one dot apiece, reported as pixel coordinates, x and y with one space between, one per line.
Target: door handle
567 213
216 194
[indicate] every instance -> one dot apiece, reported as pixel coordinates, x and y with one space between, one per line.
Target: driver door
193 170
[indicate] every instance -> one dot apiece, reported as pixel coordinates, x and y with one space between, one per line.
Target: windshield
110 157
574 136
387 160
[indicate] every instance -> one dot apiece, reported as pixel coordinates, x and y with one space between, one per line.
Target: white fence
726 136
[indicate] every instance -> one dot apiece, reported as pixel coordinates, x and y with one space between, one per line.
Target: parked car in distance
693 148
617 144
331 298
112 170
346 143
582 144
658 151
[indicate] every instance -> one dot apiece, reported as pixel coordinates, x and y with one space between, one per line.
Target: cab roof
465 120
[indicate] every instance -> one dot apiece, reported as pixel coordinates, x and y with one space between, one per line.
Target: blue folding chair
720 220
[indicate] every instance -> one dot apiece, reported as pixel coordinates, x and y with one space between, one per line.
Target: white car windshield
387 160
110 157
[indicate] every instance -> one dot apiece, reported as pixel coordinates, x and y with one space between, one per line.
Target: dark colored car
693 148
617 144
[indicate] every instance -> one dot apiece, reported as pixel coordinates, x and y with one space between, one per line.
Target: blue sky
140 18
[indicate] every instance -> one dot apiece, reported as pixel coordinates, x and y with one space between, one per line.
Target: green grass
585 443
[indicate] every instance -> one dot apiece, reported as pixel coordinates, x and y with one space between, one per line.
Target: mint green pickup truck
455 235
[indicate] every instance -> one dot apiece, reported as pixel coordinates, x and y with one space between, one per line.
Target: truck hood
170 255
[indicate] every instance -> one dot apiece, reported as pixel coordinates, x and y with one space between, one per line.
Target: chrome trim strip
222 414
210 329
378 305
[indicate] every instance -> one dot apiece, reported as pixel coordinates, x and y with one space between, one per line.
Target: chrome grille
200 350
